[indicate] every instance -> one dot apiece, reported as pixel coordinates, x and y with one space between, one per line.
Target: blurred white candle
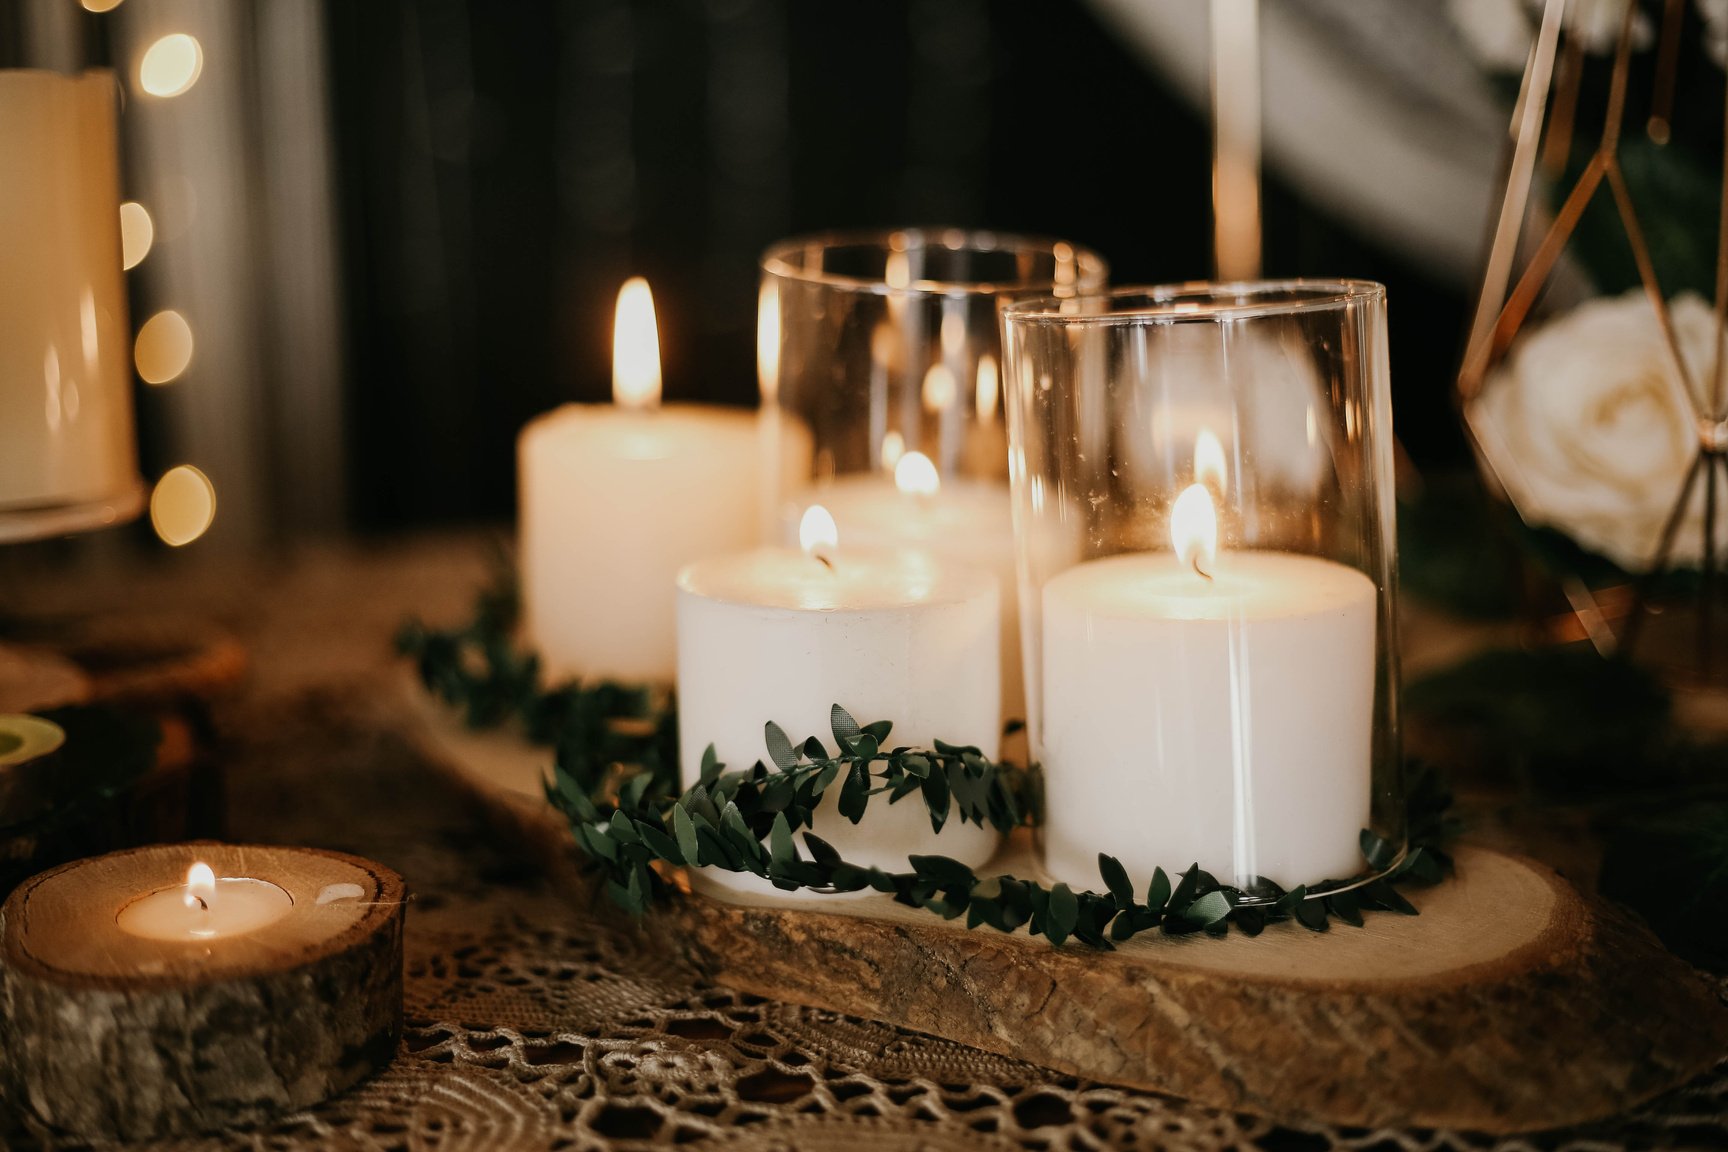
614 499
1208 706
778 634
66 440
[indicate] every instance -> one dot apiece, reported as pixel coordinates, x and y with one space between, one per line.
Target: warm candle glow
989 386
635 347
817 532
1194 529
200 886
171 65
893 447
915 475
939 388
1209 461
768 341
137 232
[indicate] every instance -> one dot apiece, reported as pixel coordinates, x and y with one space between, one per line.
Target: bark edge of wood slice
160 1043
1513 1003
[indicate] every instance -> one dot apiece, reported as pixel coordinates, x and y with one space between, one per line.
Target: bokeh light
163 348
137 233
100 5
171 65
183 505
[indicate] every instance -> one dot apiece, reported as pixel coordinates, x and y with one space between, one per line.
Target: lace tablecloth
534 1025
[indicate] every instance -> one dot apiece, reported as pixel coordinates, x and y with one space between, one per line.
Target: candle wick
201 903
825 562
1205 574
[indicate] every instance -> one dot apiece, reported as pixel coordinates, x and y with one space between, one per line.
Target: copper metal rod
1658 563
1653 288
1667 69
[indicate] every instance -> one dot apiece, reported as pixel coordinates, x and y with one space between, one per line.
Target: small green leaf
1116 879
622 829
844 727
685 830
936 799
942 870
662 845
1312 914
1158 891
711 767
1346 907
779 747
1379 853
855 793
780 846
1064 911
820 850
878 731
1210 908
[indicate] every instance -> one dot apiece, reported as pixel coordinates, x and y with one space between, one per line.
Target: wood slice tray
1512 1003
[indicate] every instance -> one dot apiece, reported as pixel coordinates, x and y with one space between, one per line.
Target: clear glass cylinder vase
1203 502
880 362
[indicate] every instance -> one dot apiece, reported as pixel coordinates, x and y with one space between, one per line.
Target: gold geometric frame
1504 306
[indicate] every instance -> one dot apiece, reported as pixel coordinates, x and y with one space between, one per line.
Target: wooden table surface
534 1024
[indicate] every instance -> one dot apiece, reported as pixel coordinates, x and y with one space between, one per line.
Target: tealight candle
145 997
783 635
1211 707
615 499
205 907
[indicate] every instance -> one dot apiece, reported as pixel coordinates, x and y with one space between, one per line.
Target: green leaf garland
615 779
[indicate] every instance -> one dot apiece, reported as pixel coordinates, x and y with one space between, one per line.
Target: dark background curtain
502 167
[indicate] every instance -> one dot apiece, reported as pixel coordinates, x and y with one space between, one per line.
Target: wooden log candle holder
145 997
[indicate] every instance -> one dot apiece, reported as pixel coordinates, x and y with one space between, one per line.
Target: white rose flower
1715 16
1588 427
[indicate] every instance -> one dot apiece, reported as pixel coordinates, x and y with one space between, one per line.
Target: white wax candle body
1228 722
967 522
776 635
65 371
236 906
613 503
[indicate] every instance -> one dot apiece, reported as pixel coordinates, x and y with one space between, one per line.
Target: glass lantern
881 384
1203 504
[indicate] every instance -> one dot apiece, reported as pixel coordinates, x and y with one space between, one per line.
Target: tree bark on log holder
113 1035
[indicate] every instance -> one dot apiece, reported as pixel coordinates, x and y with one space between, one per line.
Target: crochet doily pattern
533 1025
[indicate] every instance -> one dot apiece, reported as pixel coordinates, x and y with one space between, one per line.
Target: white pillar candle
614 499
206 907
1223 719
967 521
65 370
778 634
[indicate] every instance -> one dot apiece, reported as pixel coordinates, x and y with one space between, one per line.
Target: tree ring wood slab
112 1035
1512 1003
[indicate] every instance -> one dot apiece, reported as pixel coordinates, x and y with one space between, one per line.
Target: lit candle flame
200 886
1209 461
915 475
635 347
817 533
1194 529
989 385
